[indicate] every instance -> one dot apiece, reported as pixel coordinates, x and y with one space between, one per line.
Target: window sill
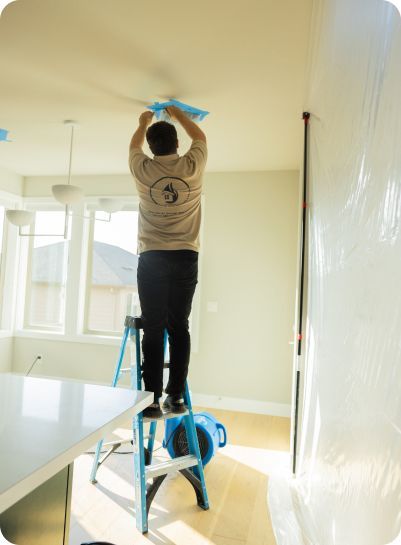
83 338
57 336
6 334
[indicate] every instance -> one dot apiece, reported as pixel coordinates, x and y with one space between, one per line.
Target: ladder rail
121 357
193 445
190 466
96 459
141 514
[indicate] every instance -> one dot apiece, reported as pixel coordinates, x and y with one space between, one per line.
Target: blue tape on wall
3 135
194 113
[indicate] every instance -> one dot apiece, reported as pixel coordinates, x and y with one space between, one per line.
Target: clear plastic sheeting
347 490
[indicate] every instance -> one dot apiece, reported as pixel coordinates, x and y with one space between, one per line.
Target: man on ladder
169 188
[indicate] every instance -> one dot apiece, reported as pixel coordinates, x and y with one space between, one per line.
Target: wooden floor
237 486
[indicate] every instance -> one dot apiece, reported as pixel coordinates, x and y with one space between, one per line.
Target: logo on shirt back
170 191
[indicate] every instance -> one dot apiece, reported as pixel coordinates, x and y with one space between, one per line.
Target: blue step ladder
148 477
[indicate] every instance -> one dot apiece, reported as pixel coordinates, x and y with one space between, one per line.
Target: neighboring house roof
111 265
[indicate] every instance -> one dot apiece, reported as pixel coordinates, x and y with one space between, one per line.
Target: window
83 287
111 280
47 273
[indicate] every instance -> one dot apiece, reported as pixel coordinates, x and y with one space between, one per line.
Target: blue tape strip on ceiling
194 113
4 135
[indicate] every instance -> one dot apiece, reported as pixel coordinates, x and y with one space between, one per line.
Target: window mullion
75 284
88 275
27 282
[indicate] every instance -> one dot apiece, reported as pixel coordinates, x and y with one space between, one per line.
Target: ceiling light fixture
4 3
20 218
67 195
396 3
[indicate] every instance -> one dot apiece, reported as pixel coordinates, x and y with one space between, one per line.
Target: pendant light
65 194
4 3
68 194
396 3
20 218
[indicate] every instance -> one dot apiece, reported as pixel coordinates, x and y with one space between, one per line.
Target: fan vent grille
180 443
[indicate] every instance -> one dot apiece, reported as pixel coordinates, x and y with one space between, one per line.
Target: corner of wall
11 182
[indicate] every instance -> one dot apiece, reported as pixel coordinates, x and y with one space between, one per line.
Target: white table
44 425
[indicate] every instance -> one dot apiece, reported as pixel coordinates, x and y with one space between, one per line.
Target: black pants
166 285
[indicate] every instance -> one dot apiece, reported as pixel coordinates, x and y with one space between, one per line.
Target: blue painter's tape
3 135
159 109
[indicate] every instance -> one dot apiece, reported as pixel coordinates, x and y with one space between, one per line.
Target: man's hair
162 138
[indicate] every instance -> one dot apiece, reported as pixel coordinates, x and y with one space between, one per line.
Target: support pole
306 118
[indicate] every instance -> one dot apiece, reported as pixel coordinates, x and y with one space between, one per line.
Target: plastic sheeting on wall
347 490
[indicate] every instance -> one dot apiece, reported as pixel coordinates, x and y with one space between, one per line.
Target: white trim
60 336
10 257
20 284
75 286
241 405
6 334
11 198
43 204
91 201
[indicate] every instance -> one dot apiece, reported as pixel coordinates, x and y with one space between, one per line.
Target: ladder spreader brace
190 465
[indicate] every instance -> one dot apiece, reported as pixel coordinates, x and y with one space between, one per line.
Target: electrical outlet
212 306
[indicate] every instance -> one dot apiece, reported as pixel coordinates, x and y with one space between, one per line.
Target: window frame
77 275
41 206
130 205
9 264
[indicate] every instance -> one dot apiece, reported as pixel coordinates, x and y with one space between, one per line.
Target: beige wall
248 268
10 182
89 362
39 186
6 354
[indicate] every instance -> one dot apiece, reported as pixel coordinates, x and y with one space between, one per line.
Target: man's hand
174 112
191 128
145 119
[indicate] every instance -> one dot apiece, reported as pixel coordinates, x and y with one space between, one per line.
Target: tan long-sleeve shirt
169 189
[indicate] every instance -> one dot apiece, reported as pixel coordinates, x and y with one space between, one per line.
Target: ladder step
165 416
183 462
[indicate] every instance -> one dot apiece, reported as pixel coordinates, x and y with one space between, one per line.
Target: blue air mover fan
211 436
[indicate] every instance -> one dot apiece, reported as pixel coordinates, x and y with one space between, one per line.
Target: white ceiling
100 61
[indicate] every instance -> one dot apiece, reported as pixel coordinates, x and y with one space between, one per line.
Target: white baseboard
241 405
